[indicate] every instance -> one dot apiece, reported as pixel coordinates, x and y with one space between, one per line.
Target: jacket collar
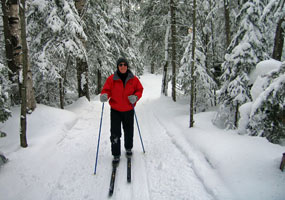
130 76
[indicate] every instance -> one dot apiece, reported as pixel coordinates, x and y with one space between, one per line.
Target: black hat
120 60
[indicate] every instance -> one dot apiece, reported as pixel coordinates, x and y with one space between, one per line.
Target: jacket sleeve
107 87
138 89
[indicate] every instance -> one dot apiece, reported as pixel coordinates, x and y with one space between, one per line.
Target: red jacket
118 94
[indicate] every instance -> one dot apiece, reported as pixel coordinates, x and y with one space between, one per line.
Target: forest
56 51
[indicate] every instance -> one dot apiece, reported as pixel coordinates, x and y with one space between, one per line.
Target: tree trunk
164 79
62 82
11 22
82 78
23 76
121 8
17 57
82 66
173 43
14 43
30 95
14 27
61 93
164 86
99 78
278 41
8 44
128 13
227 22
192 97
236 115
31 100
99 81
152 67
216 78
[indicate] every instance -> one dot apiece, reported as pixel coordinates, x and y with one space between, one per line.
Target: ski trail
167 171
170 174
164 172
138 188
184 148
78 148
77 180
199 162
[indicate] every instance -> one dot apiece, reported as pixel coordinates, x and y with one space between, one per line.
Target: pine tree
129 10
164 85
204 83
55 31
267 118
81 61
155 20
5 112
101 60
172 8
5 84
272 19
109 39
245 51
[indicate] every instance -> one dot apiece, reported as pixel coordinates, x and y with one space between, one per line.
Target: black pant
127 119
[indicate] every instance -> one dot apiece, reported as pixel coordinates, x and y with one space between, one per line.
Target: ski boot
129 153
116 160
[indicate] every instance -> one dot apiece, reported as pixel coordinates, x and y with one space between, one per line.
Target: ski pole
138 129
99 139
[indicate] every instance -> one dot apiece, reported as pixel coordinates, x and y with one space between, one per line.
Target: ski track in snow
77 173
164 172
162 156
200 165
153 176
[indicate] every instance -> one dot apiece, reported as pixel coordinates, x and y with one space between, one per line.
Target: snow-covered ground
200 163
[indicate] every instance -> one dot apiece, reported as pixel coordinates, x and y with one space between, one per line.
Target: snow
261 88
54 22
201 163
40 4
274 86
245 111
263 68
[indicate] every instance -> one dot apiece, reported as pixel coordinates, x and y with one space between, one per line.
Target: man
123 90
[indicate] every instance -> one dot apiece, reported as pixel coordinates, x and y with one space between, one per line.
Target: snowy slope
201 163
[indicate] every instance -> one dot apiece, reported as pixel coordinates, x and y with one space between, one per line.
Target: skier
123 89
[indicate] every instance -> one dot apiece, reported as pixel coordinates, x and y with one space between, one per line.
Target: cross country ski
113 178
129 169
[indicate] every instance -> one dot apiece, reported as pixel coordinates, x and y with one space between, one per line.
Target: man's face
123 67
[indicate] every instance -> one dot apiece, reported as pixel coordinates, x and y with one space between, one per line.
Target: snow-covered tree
5 112
130 13
245 51
5 84
154 22
110 37
272 21
214 26
82 60
55 33
267 117
101 60
205 84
